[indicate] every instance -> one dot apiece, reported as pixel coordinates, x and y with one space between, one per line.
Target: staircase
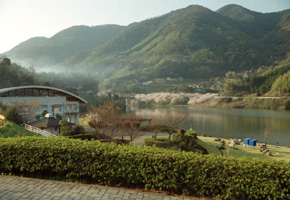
39 131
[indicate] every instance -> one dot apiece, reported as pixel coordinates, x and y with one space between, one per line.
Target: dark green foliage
189 43
186 142
77 130
287 106
11 113
158 142
146 167
58 116
84 136
44 113
275 80
64 128
12 74
193 42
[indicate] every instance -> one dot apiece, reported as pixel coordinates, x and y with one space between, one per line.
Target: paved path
17 188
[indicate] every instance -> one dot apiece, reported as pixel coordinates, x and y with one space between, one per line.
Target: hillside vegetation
193 42
44 52
12 130
273 82
13 75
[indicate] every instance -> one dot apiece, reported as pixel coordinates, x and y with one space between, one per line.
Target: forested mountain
45 52
191 42
275 81
13 75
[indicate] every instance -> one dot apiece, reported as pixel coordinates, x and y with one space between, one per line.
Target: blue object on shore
253 142
247 140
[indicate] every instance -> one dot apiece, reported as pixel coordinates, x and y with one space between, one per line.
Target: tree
267 136
27 110
156 127
130 126
64 128
171 121
44 113
11 113
105 120
58 116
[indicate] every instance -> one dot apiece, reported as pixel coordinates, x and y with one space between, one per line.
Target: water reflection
232 123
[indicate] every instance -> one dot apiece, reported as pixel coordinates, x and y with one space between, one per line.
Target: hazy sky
23 19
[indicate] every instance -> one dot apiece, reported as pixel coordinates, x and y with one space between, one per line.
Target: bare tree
28 110
267 137
105 120
131 126
172 121
156 127
93 119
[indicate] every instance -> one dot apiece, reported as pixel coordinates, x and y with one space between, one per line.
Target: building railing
39 131
3 121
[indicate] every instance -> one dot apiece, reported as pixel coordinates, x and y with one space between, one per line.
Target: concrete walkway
17 188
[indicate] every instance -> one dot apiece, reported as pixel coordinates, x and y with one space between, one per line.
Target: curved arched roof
41 91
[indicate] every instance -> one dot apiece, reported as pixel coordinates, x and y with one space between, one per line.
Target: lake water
231 123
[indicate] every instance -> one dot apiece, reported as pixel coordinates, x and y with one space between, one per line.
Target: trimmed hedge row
147 167
162 143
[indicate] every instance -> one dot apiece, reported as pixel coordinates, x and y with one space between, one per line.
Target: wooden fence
39 131
3 121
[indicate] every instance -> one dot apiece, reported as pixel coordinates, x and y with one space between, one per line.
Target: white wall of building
69 110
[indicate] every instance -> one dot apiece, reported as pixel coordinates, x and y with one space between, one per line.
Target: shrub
159 142
58 116
84 136
191 133
147 167
187 142
64 128
77 130
11 113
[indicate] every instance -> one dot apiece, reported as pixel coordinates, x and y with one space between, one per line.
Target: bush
147 167
191 133
187 142
64 128
159 142
77 130
84 136
11 113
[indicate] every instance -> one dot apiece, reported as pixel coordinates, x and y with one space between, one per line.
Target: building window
57 108
43 108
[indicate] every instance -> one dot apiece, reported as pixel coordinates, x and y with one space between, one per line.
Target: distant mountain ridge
193 42
41 51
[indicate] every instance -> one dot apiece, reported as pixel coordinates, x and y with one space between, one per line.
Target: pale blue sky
23 19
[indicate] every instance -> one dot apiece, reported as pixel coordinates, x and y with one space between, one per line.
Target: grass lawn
13 130
253 152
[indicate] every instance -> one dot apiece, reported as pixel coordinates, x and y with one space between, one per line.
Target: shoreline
213 101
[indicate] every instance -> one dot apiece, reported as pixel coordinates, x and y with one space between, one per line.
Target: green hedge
159 142
146 167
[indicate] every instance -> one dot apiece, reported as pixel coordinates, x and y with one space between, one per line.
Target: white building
53 100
